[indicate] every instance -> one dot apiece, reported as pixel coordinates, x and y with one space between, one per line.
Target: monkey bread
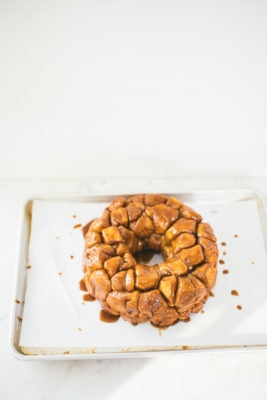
163 293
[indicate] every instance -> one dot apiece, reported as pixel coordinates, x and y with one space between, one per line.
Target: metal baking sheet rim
83 354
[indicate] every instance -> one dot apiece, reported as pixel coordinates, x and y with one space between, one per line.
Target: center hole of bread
149 257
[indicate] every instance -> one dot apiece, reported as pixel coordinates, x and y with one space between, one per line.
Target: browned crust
163 293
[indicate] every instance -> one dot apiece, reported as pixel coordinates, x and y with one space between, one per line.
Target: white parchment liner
56 317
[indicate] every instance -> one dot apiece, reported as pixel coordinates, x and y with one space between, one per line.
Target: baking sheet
54 319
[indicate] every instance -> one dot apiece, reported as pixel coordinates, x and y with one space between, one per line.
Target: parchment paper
55 316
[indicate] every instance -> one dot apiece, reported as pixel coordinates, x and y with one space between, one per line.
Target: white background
100 88
129 88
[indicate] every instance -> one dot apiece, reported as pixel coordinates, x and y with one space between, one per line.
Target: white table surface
213 375
129 88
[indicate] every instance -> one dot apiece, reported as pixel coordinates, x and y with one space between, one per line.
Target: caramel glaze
82 285
138 227
86 227
77 226
106 317
234 292
88 297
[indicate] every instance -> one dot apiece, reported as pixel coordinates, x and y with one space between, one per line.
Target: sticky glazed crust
163 293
